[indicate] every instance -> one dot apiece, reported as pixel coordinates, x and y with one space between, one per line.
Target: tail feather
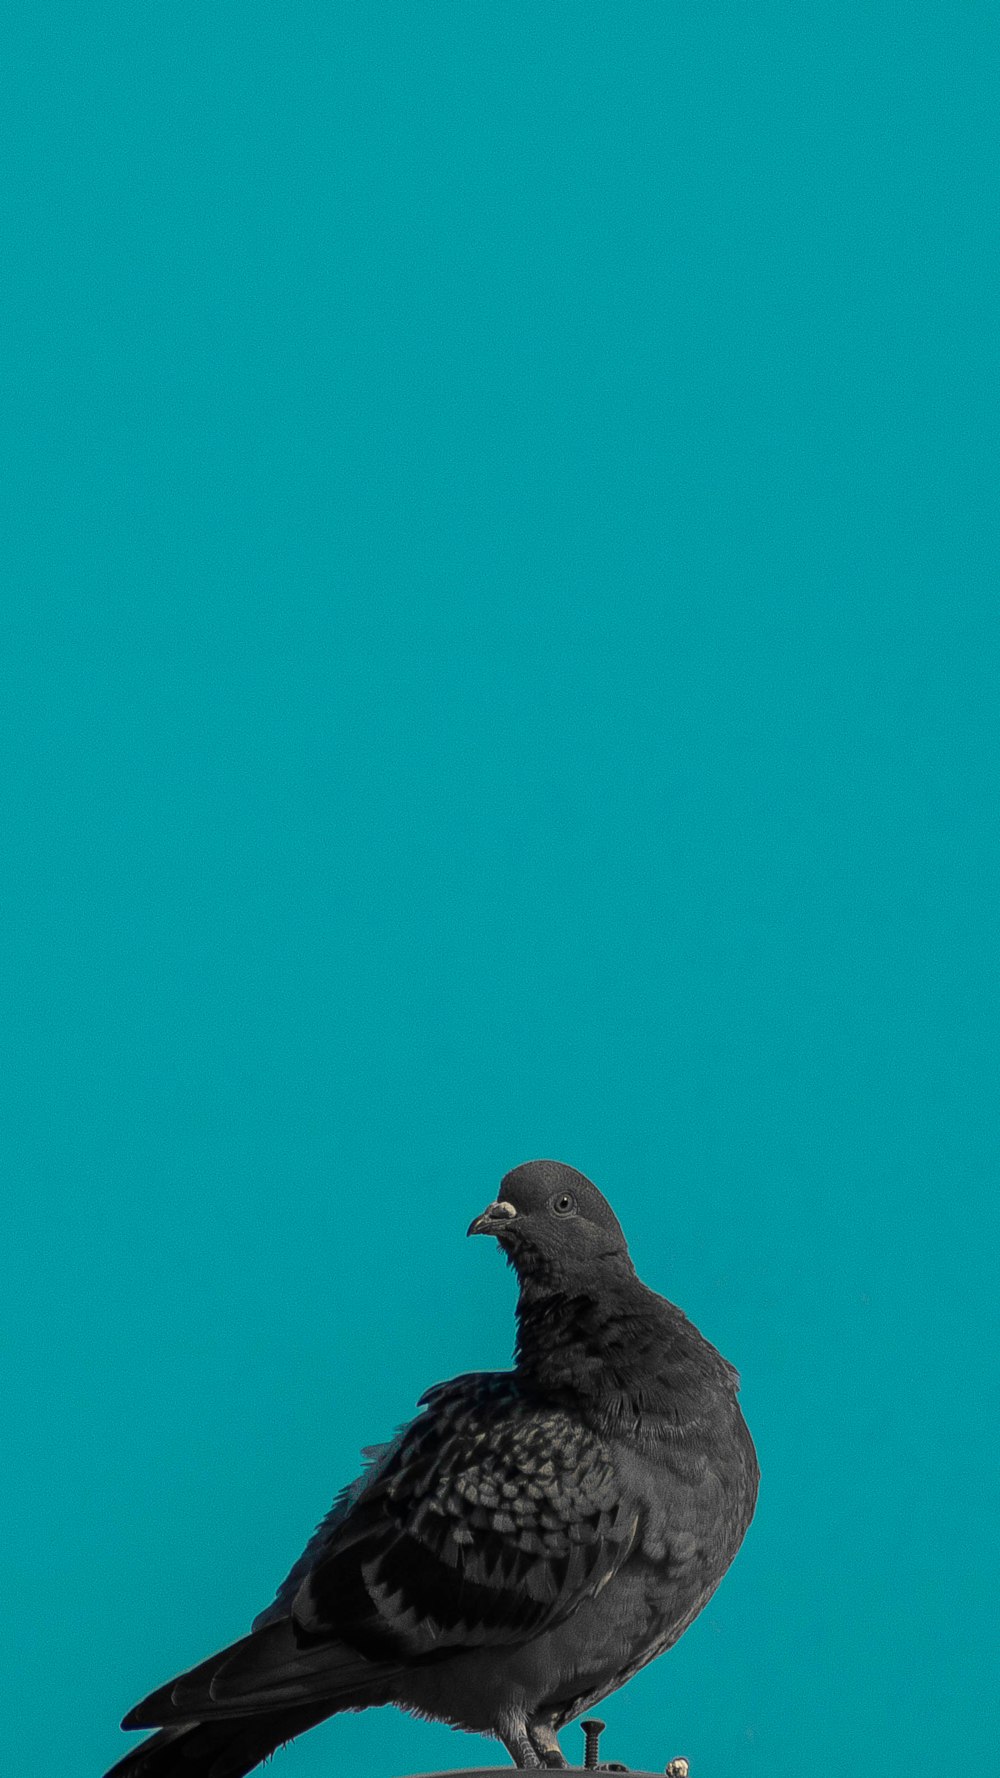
227 1749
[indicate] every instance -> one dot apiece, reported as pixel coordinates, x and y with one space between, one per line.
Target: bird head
550 1219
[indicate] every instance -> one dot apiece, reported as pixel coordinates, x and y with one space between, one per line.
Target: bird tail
228 1748
227 1714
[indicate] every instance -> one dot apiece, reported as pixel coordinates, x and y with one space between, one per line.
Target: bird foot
521 1749
534 1747
547 1747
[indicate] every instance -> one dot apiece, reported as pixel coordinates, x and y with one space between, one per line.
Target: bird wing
488 1521
485 1522
376 1457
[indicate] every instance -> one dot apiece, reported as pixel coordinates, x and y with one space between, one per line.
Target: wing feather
492 1516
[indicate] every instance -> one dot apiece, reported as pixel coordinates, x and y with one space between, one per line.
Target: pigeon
522 1547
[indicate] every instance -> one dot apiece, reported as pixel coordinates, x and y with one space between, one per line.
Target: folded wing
490 1520
484 1523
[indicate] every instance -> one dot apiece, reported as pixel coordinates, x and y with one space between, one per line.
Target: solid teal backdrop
499 657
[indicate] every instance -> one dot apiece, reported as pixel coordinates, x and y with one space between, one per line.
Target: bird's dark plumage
525 1544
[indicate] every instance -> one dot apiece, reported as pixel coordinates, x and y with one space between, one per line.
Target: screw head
678 1768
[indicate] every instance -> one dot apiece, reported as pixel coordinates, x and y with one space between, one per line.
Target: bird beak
493 1220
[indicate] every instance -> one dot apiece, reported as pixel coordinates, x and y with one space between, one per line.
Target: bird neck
617 1348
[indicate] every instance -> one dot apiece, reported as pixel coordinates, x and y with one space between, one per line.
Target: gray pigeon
528 1542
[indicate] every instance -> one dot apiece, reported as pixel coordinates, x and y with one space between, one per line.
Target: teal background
499 658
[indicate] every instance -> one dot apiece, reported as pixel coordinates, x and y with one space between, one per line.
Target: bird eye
564 1204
